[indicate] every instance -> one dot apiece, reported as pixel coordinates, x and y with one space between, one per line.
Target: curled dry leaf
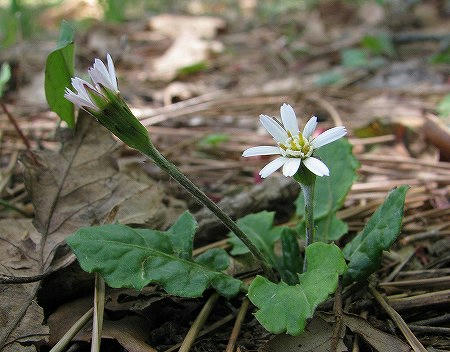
378 339
317 337
77 186
21 317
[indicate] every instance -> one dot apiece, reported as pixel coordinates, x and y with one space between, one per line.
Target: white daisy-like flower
102 77
293 146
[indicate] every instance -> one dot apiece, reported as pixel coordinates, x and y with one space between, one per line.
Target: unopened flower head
293 146
102 100
94 97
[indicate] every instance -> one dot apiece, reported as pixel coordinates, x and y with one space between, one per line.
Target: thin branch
398 320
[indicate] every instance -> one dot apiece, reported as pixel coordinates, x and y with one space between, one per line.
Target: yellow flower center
296 146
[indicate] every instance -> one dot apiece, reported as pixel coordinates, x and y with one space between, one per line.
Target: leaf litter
391 149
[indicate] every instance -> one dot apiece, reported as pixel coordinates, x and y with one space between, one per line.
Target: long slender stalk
173 171
307 180
69 335
99 306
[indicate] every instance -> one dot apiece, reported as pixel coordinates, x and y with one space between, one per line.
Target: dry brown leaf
79 185
70 10
378 339
21 317
130 331
205 27
317 337
187 50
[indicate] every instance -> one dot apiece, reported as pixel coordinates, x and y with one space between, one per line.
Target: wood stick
198 323
398 320
237 325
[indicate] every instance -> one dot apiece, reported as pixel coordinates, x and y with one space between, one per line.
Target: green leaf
214 140
329 78
127 257
59 69
328 228
380 44
191 69
284 308
330 191
365 250
183 232
443 107
5 75
259 228
291 261
354 58
442 57
215 258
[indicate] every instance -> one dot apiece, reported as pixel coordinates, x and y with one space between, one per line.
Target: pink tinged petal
261 150
273 166
329 136
291 166
289 119
273 127
80 85
310 127
112 72
316 166
79 101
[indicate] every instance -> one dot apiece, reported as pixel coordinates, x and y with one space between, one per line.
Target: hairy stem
307 180
178 176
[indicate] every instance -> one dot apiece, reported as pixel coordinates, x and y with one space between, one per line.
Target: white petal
291 166
310 127
112 72
261 150
289 119
79 101
273 166
329 136
80 85
274 128
100 75
316 166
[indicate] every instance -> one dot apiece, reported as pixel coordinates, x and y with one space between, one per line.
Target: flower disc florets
295 147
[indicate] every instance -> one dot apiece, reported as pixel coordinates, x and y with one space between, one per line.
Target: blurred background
198 74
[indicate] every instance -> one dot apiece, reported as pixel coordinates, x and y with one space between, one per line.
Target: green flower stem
307 181
173 171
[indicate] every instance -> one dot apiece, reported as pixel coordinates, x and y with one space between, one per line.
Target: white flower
102 77
294 146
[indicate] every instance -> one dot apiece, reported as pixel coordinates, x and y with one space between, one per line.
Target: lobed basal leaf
284 308
127 257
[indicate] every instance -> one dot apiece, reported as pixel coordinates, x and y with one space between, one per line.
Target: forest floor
199 85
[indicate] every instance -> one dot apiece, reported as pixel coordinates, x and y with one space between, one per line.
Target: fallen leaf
74 10
21 318
75 187
187 50
378 339
317 337
205 27
131 331
79 185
